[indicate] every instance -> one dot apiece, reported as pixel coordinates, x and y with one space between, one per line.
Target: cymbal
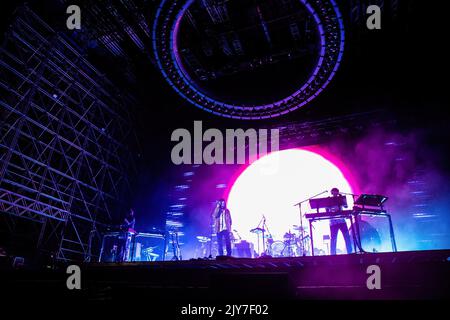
257 230
203 239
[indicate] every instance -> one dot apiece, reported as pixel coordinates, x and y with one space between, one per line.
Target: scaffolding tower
66 141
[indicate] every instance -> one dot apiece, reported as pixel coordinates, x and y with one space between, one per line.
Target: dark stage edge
404 276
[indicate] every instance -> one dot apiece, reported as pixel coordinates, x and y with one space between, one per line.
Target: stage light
326 17
273 184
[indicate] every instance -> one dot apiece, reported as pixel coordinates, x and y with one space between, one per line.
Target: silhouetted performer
338 224
129 221
125 244
222 226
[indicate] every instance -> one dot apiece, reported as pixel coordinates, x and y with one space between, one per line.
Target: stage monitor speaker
243 249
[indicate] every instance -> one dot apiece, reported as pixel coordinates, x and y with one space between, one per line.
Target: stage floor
402 275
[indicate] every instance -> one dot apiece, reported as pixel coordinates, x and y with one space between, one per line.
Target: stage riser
413 275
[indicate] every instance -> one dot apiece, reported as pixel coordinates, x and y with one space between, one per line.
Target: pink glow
274 183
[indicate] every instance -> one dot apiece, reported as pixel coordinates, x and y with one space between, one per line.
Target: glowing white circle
272 185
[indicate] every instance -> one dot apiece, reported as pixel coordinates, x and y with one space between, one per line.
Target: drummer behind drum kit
293 244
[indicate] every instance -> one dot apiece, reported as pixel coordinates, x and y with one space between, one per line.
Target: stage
141 141
404 275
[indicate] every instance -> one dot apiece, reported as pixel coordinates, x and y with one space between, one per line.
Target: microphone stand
237 233
211 240
269 235
263 236
261 224
301 217
212 221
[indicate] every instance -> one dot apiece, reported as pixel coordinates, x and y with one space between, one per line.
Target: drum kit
293 244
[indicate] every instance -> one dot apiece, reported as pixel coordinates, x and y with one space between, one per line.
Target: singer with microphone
222 226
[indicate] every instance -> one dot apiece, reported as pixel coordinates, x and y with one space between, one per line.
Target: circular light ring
330 28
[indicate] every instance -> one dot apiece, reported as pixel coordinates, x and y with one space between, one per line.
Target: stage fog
397 165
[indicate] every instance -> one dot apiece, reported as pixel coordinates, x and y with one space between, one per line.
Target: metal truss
298 134
64 159
118 27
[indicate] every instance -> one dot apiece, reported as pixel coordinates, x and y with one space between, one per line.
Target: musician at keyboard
337 224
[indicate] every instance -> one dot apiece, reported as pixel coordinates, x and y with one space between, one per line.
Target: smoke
207 184
406 168
402 166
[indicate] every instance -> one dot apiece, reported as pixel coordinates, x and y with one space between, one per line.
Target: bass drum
277 248
283 249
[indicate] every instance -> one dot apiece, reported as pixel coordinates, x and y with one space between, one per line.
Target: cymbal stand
262 226
175 246
211 237
265 228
